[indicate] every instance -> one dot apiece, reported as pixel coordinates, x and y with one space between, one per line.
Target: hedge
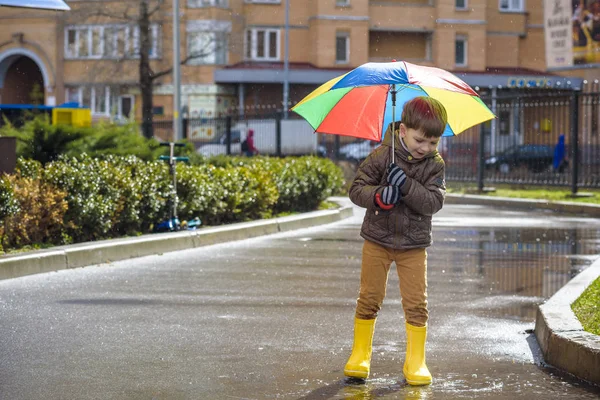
74 199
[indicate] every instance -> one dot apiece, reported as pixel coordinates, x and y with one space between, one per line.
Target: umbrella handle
393 120
381 204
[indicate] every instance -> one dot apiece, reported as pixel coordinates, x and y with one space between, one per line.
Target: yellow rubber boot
359 363
415 370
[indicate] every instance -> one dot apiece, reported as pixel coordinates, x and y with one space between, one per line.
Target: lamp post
176 74
286 63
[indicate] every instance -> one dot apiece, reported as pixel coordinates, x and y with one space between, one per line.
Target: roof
307 73
58 5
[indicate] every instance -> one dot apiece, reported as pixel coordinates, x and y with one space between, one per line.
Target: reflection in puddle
515 268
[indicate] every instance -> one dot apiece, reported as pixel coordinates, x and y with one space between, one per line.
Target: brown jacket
408 224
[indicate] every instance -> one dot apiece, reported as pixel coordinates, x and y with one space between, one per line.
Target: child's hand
390 195
396 175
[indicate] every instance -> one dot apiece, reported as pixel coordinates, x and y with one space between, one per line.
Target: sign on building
558 30
586 31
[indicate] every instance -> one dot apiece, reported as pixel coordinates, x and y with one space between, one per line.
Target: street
272 317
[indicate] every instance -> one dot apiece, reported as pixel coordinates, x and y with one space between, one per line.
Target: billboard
586 31
558 33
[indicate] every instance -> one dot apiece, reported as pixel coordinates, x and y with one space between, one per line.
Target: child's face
416 142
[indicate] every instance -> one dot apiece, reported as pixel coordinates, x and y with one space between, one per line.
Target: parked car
214 149
534 157
357 151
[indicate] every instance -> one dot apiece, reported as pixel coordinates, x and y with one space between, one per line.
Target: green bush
8 204
39 140
151 184
40 215
302 182
96 198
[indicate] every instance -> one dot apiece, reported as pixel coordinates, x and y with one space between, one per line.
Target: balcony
413 47
402 16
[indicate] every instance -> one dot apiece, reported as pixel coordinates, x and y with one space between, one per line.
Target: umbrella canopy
42 4
360 103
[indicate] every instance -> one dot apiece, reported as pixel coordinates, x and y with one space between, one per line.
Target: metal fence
273 135
521 146
548 139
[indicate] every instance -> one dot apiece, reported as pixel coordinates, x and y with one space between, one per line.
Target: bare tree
142 13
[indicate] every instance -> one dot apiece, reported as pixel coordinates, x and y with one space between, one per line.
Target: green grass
328 205
523 192
587 308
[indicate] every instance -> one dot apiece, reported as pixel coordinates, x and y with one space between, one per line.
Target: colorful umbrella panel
359 103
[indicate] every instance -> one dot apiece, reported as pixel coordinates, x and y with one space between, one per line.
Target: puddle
514 269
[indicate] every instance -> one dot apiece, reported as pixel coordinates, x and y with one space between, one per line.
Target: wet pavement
271 317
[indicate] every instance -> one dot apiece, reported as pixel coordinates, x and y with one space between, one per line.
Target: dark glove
390 195
396 175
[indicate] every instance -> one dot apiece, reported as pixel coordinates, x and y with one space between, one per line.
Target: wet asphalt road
271 317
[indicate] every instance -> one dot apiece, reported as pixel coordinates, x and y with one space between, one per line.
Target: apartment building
235 49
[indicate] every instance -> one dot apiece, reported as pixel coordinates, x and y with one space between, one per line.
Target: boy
400 199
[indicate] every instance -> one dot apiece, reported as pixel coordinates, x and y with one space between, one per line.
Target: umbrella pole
393 120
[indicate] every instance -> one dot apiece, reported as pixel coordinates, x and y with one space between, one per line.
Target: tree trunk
146 81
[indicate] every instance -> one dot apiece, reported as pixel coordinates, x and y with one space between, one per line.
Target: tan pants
412 272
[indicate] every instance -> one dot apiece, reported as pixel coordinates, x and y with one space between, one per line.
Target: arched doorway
23 82
24 79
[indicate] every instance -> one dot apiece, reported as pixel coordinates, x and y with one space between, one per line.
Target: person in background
559 162
248 147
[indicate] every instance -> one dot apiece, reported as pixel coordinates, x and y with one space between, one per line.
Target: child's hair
425 114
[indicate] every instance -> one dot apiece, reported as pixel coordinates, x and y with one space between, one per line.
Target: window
460 55
207 41
96 41
71 43
342 48
154 40
262 44
97 98
460 4
342 3
100 100
73 95
512 5
207 3
207 47
110 41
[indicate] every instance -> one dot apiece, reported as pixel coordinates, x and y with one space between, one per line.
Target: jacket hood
400 150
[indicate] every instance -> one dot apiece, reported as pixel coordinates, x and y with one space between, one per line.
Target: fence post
278 134
227 134
574 142
184 127
336 149
481 155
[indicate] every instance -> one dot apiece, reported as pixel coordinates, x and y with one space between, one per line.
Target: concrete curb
559 333
566 207
92 253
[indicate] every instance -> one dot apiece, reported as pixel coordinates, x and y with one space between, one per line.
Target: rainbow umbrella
362 103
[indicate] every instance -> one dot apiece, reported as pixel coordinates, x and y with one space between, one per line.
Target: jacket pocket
378 224
419 230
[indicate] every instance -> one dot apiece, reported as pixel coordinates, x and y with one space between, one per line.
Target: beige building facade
236 49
